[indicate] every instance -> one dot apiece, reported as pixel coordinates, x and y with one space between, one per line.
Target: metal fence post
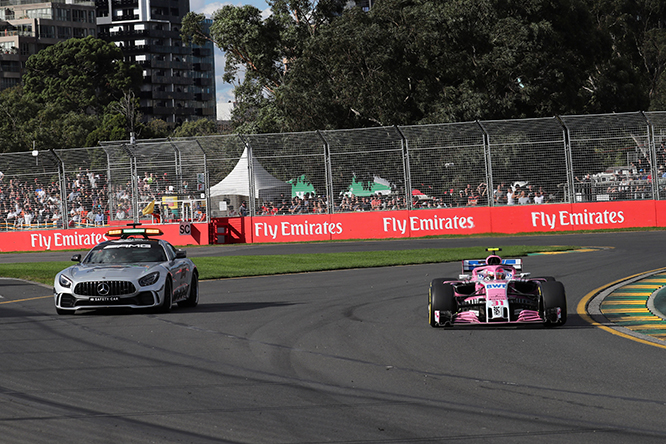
405 165
250 176
653 157
63 189
568 161
328 172
134 183
206 181
488 160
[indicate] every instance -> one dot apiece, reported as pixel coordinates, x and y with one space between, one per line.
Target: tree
81 75
316 65
155 129
410 61
635 54
196 128
15 110
259 52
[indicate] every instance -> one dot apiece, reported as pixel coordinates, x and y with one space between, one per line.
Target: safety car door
179 270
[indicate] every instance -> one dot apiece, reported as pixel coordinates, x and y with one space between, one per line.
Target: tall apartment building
28 26
179 80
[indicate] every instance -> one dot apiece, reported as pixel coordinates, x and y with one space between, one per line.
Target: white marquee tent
237 182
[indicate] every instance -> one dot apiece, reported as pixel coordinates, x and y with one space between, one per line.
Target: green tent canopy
300 187
360 189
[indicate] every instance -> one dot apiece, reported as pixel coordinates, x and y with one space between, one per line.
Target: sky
223 91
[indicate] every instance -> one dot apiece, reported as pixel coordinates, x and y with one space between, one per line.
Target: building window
64 32
63 15
47 32
46 13
7 48
78 15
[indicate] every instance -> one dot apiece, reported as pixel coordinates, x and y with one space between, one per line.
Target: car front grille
104 288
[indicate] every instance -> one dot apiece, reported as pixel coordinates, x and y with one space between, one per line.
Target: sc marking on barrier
185 229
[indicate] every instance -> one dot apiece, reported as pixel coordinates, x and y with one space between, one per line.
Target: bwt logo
495 286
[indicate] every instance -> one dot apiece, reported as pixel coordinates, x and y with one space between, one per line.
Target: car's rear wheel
554 303
167 301
441 297
193 293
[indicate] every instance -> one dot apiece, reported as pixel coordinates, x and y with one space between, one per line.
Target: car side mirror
524 275
76 258
464 277
181 254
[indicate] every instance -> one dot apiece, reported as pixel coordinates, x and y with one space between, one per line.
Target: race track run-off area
343 357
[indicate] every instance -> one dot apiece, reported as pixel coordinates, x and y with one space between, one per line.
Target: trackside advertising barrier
86 238
452 221
373 225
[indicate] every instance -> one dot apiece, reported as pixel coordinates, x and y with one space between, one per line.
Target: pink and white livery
496 291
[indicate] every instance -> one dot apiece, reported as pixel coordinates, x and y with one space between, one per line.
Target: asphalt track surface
333 357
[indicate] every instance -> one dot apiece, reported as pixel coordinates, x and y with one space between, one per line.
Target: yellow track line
581 310
28 299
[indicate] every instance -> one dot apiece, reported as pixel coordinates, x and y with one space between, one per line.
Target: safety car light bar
127 232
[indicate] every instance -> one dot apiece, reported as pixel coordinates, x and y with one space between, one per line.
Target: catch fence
563 159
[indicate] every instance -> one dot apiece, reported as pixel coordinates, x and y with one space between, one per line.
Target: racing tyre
168 298
441 298
193 293
554 303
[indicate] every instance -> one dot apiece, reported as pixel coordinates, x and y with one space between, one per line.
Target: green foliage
112 127
196 128
76 93
81 75
155 129
320 65
15 110
47 125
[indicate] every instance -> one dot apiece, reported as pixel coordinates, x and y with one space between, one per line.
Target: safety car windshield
126 253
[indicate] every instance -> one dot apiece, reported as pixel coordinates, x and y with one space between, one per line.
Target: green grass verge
220 267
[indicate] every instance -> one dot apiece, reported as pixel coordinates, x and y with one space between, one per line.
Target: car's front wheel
193 293
554 303
441 297
167 301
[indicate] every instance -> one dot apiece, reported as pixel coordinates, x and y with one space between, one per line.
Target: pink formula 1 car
496 291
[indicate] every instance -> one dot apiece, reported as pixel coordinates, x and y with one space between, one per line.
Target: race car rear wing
471 264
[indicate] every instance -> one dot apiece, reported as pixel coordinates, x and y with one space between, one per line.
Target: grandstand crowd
91 201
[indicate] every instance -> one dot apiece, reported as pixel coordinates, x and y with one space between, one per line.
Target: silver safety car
132 270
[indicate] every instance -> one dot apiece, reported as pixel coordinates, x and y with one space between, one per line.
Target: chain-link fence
564 159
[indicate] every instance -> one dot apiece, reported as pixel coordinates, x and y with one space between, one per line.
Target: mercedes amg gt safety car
496 291
132 270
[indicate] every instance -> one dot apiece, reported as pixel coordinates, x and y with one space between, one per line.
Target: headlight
64 281
149 279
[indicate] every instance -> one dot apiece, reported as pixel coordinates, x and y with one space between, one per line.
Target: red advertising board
574 217
373 225
370 225
85 238
458 221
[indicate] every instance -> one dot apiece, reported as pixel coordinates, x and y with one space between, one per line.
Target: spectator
523 199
